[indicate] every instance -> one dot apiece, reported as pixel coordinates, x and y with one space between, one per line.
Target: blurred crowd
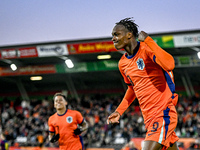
25 123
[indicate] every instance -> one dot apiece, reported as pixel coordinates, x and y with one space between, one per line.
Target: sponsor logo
192 39
52 50
187 40
150 134
56 49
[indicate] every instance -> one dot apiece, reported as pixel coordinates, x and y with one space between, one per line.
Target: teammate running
147 70
66 125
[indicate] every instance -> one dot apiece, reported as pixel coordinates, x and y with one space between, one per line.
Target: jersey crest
140 64
69 119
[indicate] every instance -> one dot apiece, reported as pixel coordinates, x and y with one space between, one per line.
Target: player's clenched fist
142 36
113 118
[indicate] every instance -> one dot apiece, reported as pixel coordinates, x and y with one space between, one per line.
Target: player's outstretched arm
164 59
113 118
125 103
129 97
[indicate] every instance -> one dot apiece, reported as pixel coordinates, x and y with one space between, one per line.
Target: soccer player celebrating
147 70
66 125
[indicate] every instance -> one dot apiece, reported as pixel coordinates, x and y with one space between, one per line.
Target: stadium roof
93 81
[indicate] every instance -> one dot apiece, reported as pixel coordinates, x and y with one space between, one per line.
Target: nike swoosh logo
150 134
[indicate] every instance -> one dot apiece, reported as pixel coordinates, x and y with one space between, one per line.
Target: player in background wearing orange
66 125
147 70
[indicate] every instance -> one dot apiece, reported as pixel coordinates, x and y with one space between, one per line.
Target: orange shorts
161 128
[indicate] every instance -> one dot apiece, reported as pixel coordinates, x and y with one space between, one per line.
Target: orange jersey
149 72
65 125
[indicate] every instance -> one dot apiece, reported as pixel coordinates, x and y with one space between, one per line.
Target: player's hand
78 131
113 118
55 138
142 36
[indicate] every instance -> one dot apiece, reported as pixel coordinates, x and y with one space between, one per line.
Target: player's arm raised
164 59
125 103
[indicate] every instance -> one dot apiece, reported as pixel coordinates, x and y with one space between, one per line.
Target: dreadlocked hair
129 25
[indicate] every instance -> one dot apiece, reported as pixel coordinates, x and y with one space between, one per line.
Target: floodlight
36 78
198 54
69 63
103 56
13 67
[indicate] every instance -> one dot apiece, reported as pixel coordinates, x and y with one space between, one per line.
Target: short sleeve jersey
153 86
65 125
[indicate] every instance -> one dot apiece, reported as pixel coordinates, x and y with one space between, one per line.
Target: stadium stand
25 122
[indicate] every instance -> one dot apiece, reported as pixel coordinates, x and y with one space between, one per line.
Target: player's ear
66 102
129 35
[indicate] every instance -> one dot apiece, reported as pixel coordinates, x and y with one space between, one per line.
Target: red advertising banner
29 70
28 52
95 47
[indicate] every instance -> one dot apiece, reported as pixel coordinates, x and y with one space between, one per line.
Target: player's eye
57 101
115 34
